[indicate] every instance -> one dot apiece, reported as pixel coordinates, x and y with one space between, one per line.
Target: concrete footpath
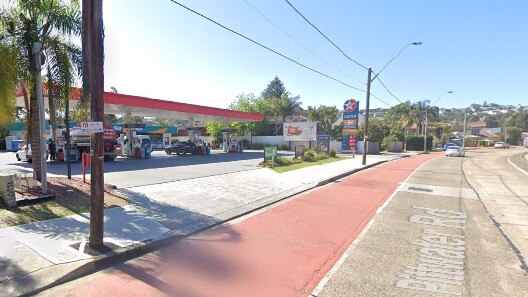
41 255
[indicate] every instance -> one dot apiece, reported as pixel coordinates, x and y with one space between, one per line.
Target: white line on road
340 262
380 209
324 281
80 254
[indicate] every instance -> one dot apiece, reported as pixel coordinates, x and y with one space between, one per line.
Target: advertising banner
350 125
300 131
323 144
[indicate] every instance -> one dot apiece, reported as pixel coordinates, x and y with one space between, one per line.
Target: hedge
416 142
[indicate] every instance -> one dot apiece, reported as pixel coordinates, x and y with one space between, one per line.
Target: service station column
129 135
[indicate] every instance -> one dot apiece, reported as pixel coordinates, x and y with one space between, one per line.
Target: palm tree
64 61
48 22
8 82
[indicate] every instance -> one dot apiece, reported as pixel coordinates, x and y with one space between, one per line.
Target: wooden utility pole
93 16
367 111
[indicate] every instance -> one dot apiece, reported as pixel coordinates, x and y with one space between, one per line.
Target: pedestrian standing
52 150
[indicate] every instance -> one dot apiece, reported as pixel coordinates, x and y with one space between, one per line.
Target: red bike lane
284 251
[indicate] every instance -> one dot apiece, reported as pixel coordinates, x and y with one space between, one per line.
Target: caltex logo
350 105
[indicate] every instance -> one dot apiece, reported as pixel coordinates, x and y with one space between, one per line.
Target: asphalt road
160 168
457 227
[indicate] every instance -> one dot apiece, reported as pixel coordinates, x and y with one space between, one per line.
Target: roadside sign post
92 127
270 152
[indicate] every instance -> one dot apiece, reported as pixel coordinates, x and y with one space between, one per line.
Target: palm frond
8 82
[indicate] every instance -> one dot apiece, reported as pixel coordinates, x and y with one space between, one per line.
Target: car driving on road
454 151
449 144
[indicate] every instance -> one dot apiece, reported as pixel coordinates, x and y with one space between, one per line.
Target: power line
380 100
342 52
388 90
294 39
263 46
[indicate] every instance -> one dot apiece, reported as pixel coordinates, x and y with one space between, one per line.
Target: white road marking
324 281
81 249
339 262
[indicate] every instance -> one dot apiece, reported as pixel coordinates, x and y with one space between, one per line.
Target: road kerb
515 165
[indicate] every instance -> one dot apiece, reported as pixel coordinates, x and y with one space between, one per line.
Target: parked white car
501 144
454 151
24 154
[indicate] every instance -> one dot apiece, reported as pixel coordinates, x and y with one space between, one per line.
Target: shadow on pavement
9 270
179 220
189 268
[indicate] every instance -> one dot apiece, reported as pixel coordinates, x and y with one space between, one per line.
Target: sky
475 48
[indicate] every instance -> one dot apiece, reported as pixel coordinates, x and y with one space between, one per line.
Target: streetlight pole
464 132
367 110
425 128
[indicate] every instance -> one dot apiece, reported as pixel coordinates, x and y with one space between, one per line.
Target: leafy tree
408 114
377 130
275 89
164 122
514 134
214 129
337 132
250 103
47 21
325 116
110 119
279 99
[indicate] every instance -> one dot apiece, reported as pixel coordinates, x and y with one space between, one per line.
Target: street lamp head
450 92
417 43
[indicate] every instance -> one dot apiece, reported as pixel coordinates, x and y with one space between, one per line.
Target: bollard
85 163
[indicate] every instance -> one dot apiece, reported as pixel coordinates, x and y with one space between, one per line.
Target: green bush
386 140
321 156
257 146
280 161
416 142
284 147
245 143
309 156
332 153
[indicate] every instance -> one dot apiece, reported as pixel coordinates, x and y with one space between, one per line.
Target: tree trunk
35 133
52 107
23 86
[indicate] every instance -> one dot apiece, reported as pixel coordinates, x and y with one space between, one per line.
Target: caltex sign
350 125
